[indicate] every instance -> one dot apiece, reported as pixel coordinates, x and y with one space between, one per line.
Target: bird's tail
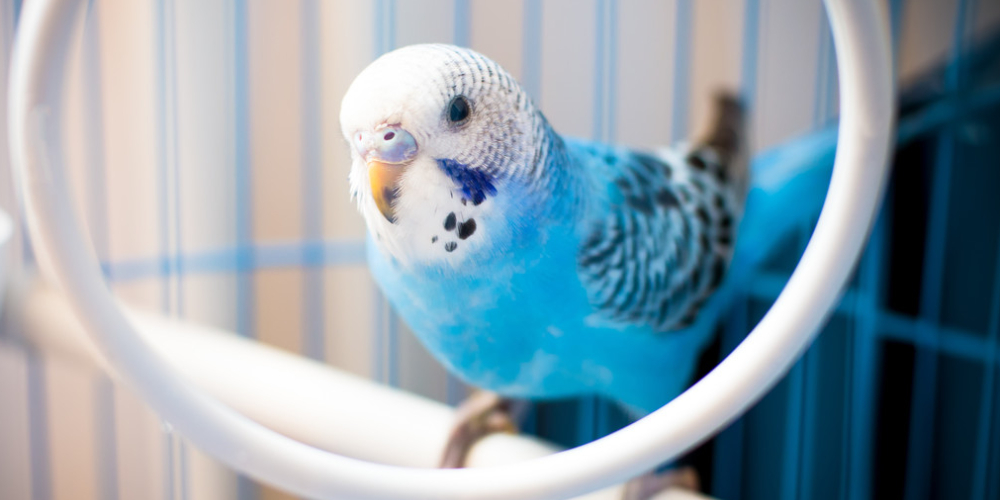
727 138
727 135
787 188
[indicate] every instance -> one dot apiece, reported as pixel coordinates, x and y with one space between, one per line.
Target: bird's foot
651 484
482 414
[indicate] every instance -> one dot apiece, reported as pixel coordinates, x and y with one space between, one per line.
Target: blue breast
520 324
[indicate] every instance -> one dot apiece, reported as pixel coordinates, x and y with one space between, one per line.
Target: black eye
458 109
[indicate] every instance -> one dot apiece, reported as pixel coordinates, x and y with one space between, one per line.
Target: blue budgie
540 266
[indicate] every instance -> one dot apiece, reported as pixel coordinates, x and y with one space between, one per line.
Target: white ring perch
866 111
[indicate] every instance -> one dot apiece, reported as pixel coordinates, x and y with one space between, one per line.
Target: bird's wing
661 244
665 240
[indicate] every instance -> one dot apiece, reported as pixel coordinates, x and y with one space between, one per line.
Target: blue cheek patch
476 185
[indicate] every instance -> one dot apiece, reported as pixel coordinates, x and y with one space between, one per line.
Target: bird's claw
482 414
650 484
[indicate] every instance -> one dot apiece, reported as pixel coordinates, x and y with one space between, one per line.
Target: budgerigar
530 264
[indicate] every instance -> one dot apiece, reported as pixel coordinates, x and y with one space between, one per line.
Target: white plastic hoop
866 111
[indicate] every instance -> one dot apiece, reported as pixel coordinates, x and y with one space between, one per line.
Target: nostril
388 143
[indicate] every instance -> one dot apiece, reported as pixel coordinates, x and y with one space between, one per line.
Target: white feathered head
436 131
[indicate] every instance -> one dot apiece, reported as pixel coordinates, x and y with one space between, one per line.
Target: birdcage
208 168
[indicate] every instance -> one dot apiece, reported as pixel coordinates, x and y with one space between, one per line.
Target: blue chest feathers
493 322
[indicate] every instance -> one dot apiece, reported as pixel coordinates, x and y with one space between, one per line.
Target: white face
437 132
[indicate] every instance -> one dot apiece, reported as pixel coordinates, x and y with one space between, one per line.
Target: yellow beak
384 179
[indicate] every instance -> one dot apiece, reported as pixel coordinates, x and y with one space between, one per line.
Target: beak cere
387 150
384 179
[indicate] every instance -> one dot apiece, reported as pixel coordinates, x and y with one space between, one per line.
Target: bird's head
439 137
